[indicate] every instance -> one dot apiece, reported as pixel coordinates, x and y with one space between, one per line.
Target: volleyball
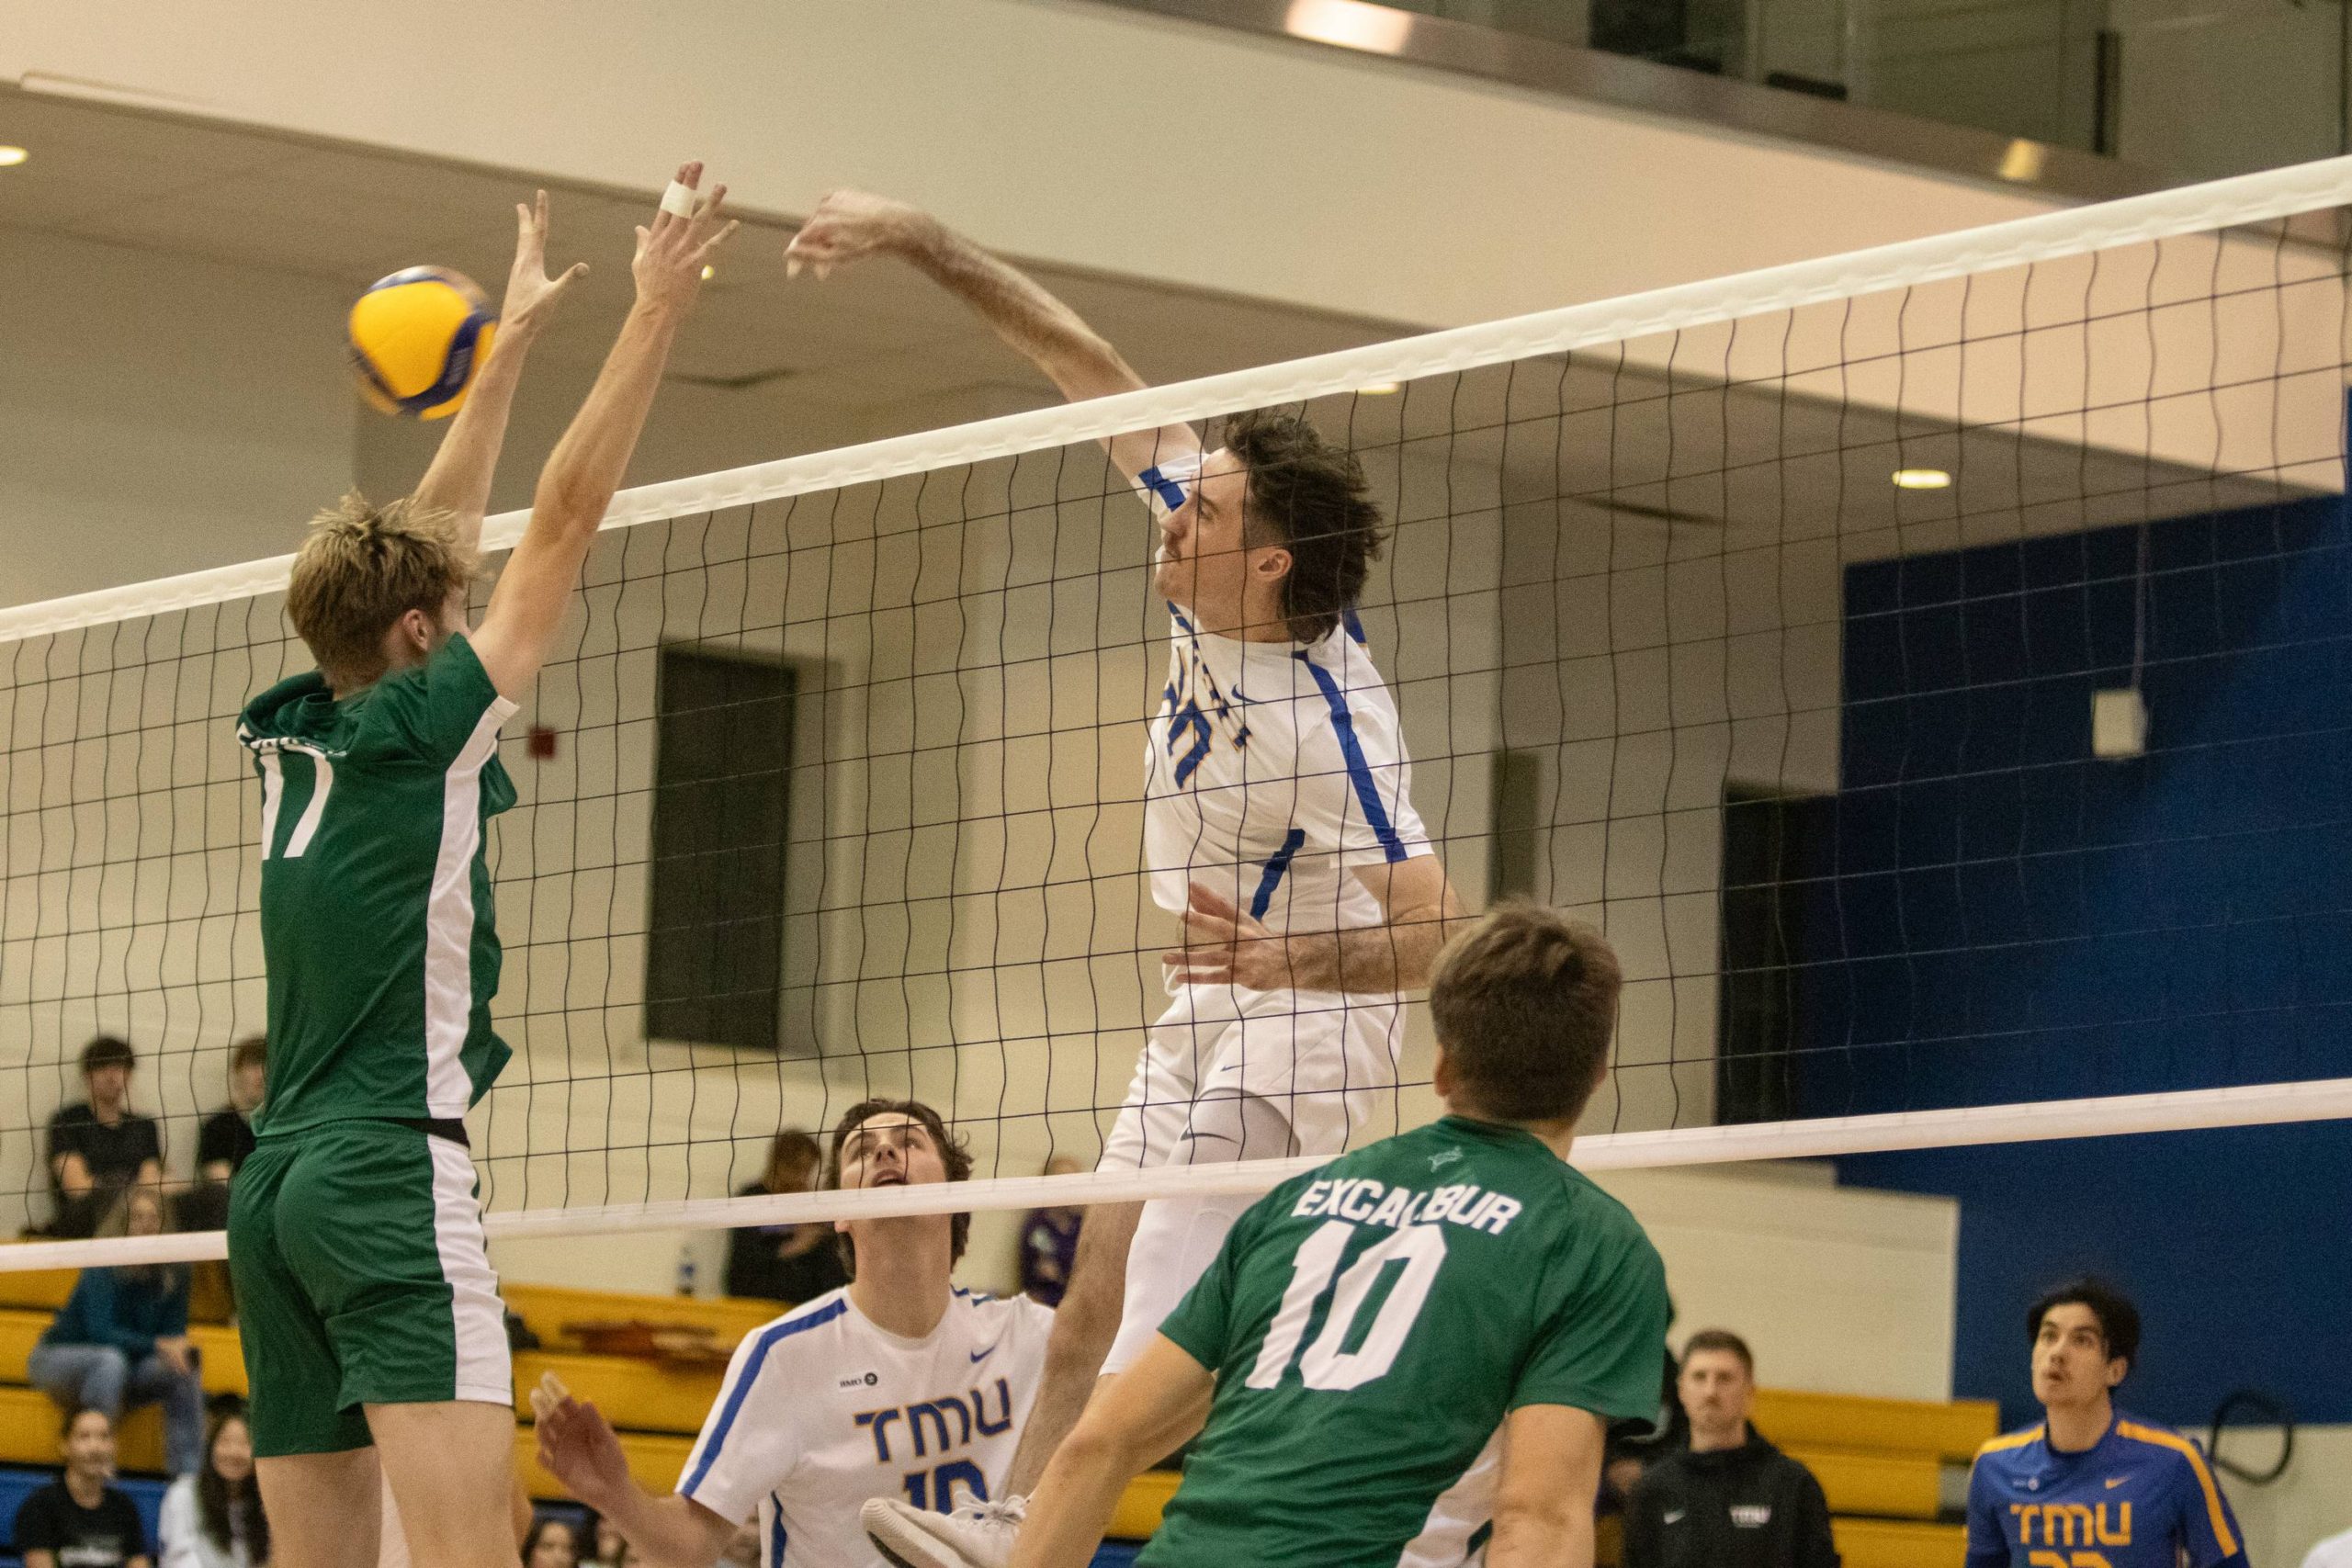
417 337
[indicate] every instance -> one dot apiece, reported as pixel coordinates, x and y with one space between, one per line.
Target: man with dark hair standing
1411 1354
899 1383
99 1146
1279 821
1731 1500
2092 1486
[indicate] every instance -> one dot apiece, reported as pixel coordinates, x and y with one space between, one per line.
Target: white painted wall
159 413
2310 1503
1837 1289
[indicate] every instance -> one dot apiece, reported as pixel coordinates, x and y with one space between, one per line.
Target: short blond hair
362 569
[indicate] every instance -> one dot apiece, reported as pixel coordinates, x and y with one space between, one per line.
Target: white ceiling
871 338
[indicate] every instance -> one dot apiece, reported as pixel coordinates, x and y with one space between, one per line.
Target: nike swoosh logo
1673 1518
980 1356
2115 1481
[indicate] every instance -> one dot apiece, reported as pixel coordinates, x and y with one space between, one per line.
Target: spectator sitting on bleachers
78 1520
221 1146
98 1145
1049 1243
227 1136
213 1518
602 1543
785 1263
122 1339
552 1543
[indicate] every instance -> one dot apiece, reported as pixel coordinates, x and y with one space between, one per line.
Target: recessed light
12 156
1922 478
1381 388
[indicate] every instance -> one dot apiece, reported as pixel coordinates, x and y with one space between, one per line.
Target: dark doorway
714 956
1760 1022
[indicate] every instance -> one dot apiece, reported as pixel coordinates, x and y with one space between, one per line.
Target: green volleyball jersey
1371 1326
376 915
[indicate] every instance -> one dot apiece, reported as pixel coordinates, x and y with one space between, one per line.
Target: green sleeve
1202 1325
1598 1348
435 711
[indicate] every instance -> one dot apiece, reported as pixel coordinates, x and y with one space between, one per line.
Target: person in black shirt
78 1520
227 1136
785 1263
1049 1244
1731 1500
99 1147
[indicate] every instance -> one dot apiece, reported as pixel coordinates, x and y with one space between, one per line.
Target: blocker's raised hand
531 294
673 250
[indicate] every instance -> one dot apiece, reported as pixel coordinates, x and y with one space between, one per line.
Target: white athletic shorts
1324 1062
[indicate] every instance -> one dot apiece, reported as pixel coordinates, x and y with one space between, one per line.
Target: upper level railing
2090 97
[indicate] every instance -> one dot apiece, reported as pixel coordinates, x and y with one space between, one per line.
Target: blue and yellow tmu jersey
2143 1496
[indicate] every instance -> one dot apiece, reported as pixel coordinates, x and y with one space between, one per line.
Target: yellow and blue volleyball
417 339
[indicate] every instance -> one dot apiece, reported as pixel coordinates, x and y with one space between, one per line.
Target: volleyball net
1928 666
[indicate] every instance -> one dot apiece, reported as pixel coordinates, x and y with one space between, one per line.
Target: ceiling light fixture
12 156
1922 478
1351 24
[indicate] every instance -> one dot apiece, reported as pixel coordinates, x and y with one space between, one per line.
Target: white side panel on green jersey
1461 1511
450 921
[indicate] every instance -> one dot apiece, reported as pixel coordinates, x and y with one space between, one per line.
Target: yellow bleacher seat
641 1396
1138 1515
547 1308
1899 1543
1894 1485
655 1462
1954 1431
38 1290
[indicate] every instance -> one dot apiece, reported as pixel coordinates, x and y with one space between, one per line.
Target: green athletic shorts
357 1249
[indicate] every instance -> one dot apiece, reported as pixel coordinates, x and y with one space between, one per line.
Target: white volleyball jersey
821 1410
1273 768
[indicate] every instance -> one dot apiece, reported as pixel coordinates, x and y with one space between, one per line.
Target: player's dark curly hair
2119 1320
953 1153
1309 496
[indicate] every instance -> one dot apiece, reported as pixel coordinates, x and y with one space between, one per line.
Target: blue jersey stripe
769 1338
1276 865
1343 724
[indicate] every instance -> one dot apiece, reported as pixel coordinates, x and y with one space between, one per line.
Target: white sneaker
979 1536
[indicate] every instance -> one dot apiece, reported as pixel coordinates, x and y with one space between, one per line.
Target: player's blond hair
363 567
